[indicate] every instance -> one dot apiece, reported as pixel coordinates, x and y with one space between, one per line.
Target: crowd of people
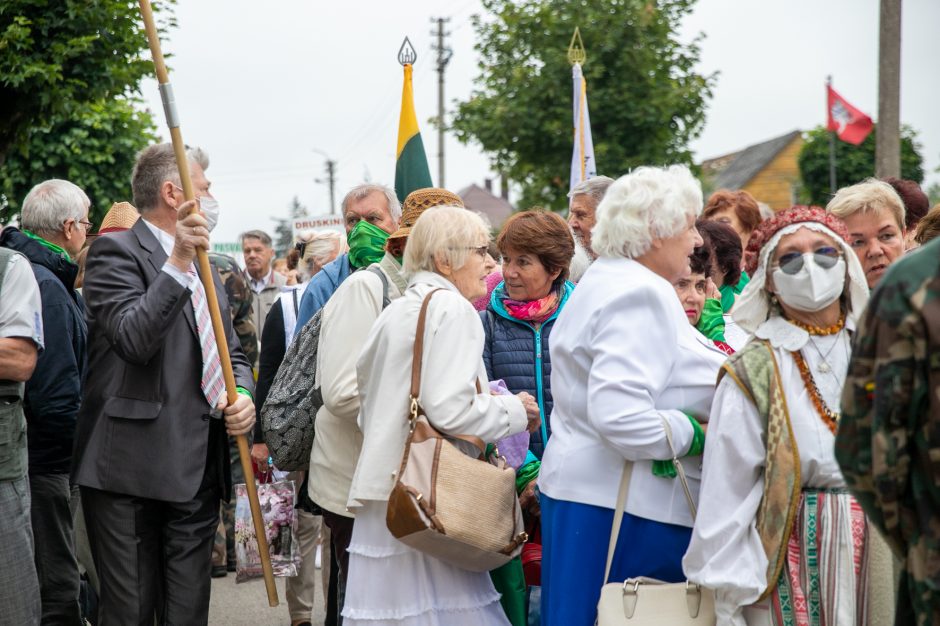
687 389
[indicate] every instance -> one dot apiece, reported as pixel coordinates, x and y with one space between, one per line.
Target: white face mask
210 210
813 288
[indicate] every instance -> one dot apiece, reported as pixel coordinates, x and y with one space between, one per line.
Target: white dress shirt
624 357
166 241
726 553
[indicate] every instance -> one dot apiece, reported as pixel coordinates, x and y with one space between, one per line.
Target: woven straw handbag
454 507
647 601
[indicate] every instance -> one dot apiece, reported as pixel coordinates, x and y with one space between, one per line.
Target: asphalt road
246 604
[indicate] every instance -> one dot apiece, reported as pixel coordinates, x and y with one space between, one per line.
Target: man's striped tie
213 384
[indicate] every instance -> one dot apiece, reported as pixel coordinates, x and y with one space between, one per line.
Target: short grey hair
361 191
646 204
198 155
867 196
257 234
155 165
323 247
444 234
580 261
50 203
594 187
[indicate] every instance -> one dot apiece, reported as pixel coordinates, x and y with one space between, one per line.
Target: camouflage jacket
888 443
240 298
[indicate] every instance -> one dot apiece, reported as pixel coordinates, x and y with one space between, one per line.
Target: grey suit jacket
143 428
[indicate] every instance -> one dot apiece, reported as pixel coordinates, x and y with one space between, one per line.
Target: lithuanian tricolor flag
411 165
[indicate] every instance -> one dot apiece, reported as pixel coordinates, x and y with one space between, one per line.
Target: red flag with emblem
850 124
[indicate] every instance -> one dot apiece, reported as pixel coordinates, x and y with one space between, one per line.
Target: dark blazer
143 428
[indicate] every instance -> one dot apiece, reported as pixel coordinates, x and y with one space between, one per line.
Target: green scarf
48 244
366 244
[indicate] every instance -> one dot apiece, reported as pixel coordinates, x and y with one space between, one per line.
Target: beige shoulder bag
449 505
647 601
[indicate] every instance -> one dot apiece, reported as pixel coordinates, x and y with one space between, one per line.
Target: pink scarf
533 311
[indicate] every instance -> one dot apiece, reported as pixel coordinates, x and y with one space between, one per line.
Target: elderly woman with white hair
389 582
778 536
873 213
625 363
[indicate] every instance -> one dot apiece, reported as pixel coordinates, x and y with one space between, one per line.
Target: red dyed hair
743 203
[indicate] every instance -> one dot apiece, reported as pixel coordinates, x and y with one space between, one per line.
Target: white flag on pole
583 166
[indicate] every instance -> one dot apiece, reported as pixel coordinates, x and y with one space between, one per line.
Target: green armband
712 322
244 392
665 469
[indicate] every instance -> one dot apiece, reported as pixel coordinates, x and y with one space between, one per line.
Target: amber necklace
820 330
829 417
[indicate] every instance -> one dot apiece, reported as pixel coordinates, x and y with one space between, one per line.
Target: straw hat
418 202
121 216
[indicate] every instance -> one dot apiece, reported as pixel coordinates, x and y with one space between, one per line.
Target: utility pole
888 131
443 58
330 179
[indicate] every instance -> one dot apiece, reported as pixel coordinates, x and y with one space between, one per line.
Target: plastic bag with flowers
280 523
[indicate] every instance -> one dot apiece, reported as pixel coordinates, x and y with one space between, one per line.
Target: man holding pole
151 453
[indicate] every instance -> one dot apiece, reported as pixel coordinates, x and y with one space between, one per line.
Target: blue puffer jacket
518 353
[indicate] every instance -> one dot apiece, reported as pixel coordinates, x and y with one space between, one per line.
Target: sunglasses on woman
825 257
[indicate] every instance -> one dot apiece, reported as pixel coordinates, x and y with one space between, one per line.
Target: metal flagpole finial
407 54
576 53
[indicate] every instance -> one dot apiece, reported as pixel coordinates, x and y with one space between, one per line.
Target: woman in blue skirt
624 360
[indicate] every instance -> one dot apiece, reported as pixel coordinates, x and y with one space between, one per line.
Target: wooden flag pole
205 274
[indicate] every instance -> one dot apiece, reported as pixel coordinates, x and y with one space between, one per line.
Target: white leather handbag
647 601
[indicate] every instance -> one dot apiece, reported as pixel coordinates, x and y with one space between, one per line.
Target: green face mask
366 244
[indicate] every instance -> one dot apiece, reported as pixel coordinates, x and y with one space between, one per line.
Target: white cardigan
347 318
452 364
624 356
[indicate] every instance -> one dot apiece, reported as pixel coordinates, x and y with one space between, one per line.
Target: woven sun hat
753 306
121 216
418 202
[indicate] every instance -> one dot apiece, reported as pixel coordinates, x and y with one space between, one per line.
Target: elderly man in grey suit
151 455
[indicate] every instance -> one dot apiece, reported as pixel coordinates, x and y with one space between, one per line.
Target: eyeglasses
825 257
481 250
88 225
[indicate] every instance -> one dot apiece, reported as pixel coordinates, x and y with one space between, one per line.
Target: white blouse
725 553
452 364
624 357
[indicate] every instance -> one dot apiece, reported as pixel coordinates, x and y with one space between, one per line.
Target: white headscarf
753 305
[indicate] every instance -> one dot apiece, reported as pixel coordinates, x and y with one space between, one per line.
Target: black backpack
290 410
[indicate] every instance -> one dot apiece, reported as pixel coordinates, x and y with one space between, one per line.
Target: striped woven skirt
824 580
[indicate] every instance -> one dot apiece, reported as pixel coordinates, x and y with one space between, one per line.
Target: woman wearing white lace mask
778 536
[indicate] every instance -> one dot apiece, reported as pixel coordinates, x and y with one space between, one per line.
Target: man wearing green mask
371 213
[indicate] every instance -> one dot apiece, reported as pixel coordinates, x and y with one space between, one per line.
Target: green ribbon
366 244
728 292
48 244
666 469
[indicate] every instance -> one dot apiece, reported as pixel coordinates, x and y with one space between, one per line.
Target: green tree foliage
853 163
94 147
56 58
645 97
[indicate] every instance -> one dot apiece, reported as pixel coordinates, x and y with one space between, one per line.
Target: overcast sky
267 88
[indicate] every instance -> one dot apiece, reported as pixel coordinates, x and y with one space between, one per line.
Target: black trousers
154 557
341 535
53 536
